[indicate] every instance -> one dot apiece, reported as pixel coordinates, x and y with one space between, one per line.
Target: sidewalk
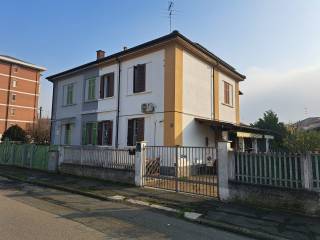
262 223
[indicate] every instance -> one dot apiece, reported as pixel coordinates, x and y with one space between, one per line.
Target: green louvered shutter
94 133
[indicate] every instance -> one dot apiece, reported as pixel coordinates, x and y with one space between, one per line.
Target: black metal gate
182 169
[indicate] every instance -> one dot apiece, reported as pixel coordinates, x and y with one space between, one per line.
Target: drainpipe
8 98
118 104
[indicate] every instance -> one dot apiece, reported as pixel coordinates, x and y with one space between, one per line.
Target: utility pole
40 112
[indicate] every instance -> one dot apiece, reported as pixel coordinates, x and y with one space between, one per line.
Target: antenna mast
170 13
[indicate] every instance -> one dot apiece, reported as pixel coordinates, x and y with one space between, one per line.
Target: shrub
15 133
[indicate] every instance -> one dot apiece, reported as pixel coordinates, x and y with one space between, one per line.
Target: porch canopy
241 130
242 137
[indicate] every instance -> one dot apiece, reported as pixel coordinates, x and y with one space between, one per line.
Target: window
228 94
12 111
135 131
13 97
14 83
90 89
67 134
68 94
139 78
105 129
89 134
107 85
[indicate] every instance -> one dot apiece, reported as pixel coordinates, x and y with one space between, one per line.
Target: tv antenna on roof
170 12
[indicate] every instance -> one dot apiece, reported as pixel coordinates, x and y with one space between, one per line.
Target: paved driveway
31 212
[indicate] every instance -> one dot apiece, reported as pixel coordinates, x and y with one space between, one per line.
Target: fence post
306 171
139 165
61 155
223 170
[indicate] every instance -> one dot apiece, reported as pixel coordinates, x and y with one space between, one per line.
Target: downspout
35 105
52 111
8 98
118 104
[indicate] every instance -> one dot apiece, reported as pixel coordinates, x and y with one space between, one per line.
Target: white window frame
14 83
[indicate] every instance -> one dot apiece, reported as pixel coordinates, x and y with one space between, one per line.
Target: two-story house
168 91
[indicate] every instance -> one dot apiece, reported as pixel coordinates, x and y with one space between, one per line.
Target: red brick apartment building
19 92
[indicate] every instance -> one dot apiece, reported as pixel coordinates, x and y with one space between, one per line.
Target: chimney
125 48
100 54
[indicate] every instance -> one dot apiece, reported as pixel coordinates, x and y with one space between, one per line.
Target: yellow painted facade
173 90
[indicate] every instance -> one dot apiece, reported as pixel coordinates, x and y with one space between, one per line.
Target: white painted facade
130 103
197 101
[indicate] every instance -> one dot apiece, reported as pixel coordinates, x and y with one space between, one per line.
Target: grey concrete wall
300 201
115 175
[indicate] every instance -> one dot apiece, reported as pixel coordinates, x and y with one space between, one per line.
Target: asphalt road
30 212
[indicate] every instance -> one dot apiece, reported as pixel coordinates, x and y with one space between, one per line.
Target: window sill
227 105
90 100
106 98
69 105
139 93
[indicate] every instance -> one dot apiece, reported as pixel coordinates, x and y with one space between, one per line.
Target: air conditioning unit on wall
147 107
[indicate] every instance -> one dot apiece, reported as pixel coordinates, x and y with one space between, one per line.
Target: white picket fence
315 158
277 169
102 157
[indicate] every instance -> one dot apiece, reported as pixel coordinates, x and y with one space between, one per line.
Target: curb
189 216
240 230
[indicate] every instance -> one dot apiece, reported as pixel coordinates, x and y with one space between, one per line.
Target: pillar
255 145
140 161
223 170
267 145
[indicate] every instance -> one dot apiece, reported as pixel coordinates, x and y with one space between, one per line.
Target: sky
275 43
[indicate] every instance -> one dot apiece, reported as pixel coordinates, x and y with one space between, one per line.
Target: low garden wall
109 174
297 200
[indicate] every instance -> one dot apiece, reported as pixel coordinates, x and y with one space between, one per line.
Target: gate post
140 163
306 171
223 170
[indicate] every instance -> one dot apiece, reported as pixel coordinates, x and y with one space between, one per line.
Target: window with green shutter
90 132
67 134
91 89
68 94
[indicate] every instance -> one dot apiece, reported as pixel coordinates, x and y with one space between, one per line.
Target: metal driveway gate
182 169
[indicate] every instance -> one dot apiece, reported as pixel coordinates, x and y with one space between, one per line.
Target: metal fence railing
182 169
103 157
275 169
25 155
315 159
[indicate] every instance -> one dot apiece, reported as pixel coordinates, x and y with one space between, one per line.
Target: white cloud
292 94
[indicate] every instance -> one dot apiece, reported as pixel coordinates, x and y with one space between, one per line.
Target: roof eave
6 59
